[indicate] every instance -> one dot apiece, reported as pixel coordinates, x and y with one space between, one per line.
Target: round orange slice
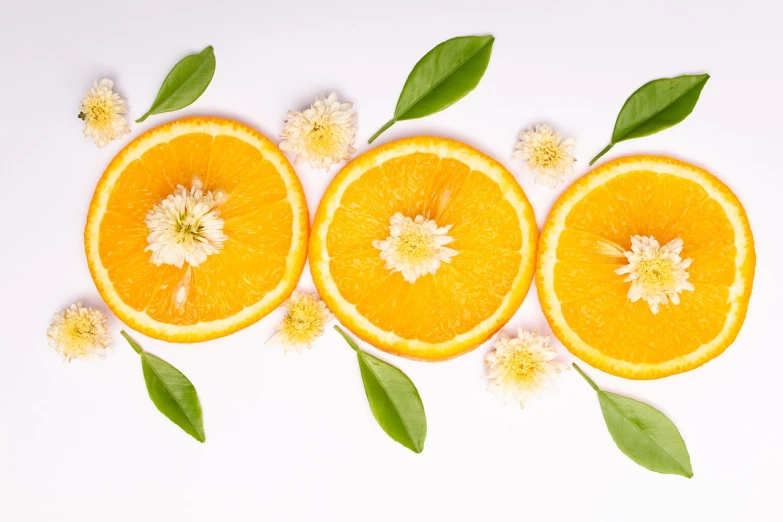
459 266
242 259
672 304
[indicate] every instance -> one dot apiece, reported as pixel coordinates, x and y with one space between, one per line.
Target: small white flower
102 111
304 323
521 368
79 332
546 154
657 273
185 227
415 247
322 134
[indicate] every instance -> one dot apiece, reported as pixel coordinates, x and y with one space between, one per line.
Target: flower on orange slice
234 275
423 247
675 302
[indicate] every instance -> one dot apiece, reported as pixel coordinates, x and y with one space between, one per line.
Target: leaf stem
134 344
607 149
350 341
588 379
143 117
380 131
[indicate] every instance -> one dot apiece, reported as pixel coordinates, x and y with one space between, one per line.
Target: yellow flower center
302 320
522 363
656 275
322 138
415 245
80 332
546 154
100 111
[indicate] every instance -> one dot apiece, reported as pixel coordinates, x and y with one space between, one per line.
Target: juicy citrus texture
582 245
440 315
266 222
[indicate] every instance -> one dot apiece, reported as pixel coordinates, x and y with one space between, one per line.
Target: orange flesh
599 228
258 223
486 232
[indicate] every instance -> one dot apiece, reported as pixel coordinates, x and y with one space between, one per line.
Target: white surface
291 438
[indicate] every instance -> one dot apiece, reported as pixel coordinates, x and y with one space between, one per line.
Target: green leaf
643 433
394 399
185 83
171 392
656 106
442 77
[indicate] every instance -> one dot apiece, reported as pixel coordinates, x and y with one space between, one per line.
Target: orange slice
265 221
468 298
586 302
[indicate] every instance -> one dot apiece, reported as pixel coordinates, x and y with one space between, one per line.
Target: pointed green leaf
655 106
643 433
394 399
185 83
442 77
171 392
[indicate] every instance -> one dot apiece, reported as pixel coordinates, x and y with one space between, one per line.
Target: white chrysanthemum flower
185 227
322 134
304 323
79 332
415 247
521 368
546 154
102 110
657 273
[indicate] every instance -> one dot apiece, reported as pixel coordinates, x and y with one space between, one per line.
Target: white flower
304 323
79 332
102 111
321 135
545 154
185 227
657 273
521 368
415 247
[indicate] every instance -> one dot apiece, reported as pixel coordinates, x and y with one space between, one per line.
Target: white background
290 437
